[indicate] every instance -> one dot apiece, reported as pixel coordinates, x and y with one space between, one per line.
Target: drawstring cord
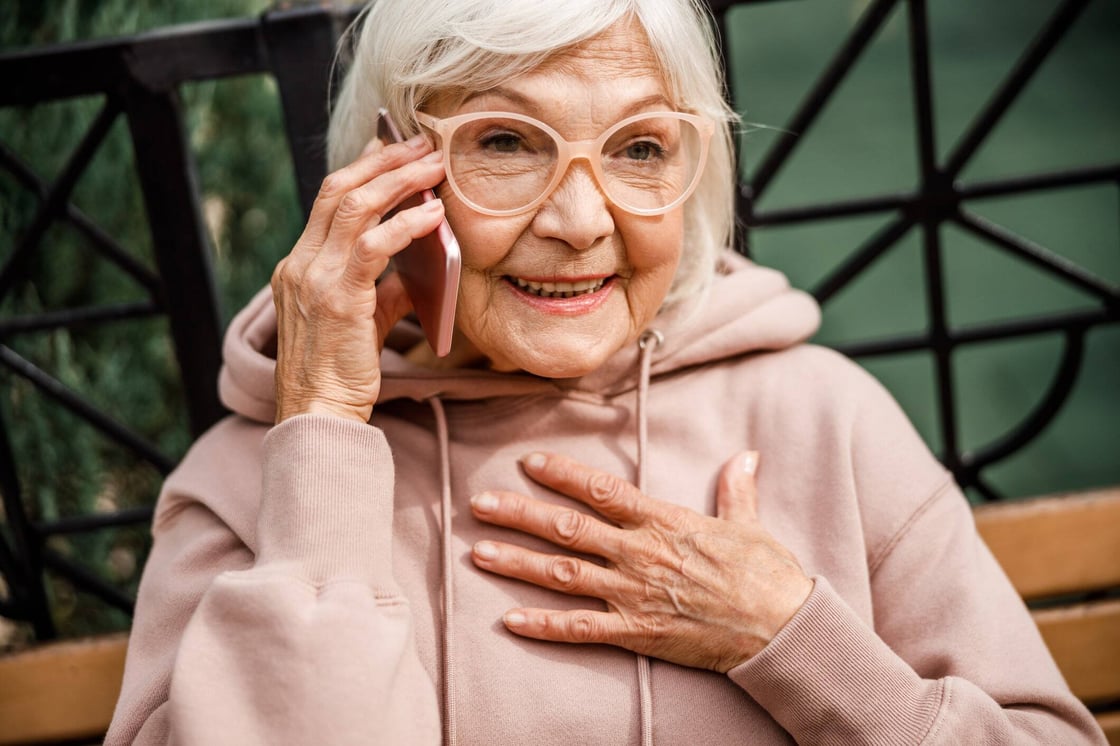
648 342
449 734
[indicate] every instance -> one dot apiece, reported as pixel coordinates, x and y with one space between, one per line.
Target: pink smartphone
429 267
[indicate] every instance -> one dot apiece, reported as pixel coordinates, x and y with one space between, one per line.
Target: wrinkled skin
687 588
700 591
577 232
332 319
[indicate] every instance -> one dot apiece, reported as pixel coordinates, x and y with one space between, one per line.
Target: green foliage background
127 368
863 144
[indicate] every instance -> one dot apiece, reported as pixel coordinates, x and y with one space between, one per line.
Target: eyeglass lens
506 164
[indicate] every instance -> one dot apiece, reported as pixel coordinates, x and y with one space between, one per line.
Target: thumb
392 305
737 492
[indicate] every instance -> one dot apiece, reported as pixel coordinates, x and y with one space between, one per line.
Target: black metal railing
940 198
139 79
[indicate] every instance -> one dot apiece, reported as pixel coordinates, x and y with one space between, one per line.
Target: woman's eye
644 151
502 143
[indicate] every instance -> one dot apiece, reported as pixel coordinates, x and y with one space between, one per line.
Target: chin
563 362
560 370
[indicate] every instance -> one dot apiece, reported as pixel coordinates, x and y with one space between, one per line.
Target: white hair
403 54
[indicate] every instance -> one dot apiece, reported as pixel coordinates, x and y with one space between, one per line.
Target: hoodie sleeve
307 640
953 655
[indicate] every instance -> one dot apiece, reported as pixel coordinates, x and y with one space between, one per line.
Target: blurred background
863 144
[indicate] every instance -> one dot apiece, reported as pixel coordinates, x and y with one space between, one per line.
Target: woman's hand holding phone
332 315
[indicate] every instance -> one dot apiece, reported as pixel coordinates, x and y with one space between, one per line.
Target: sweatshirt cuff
827 678
327 501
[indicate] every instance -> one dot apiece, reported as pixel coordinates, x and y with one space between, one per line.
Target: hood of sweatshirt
747 309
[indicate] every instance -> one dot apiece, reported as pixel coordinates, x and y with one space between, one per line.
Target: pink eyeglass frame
568 151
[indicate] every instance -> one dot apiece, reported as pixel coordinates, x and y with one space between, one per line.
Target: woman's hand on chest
700 591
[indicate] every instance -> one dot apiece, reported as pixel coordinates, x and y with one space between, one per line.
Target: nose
577 212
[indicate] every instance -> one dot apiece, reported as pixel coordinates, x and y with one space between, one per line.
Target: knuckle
582 627
280 275
604 488
569 526
644 628
398 227
367 245
645 553
286 277
353 205
316 280
565 571
331 185
518 509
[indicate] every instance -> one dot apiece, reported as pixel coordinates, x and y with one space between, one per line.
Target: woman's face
576 236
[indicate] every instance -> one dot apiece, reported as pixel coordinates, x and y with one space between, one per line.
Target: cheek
654 251
483 240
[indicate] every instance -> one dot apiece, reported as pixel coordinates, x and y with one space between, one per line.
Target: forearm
310 640
828 678
268 659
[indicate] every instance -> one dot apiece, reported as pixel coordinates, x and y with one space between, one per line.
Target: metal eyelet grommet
651 336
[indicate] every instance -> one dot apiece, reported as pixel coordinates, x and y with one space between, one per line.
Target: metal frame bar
101 241
58 195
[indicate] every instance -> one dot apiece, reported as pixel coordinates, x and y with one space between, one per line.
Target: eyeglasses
501 163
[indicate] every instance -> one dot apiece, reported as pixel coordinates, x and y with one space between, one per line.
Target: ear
737 493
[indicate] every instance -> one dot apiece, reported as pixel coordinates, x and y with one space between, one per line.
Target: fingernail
486 550
416 142
750 462
514 619
433 205
436 156
534 460
485 502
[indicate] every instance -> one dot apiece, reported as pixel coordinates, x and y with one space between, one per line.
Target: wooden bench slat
1110 724
1085 642
1052 546
60 691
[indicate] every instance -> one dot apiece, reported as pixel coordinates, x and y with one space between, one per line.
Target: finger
373 249
737 491
579 625
561 573
372 146
393 304
369 203
611 496
368 165
561 526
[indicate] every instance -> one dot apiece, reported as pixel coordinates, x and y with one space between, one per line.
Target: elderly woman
630 507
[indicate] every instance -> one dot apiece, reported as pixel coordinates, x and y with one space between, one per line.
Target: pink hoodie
311 582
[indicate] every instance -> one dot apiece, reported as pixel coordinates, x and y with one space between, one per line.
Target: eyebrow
533 107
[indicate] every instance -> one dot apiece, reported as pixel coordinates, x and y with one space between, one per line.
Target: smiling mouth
559 289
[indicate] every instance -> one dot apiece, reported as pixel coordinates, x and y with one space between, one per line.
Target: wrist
288 409
786 603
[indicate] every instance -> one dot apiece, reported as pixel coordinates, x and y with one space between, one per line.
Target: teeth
560 289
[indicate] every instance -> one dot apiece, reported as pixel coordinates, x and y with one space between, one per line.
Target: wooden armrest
61 691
